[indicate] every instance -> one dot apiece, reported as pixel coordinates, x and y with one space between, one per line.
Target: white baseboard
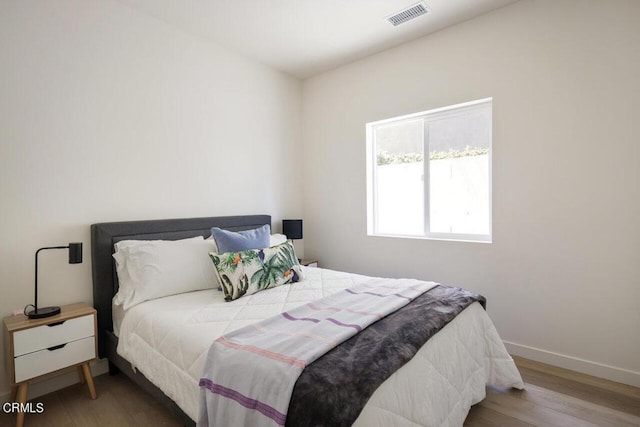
600 370
57 382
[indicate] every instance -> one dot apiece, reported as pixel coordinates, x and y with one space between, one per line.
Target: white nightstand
38 347
309 262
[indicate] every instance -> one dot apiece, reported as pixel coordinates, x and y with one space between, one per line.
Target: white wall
562 275
107 114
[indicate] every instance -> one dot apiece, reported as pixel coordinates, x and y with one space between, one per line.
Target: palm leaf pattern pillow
251 271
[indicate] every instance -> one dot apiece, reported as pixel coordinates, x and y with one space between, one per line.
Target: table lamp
75 257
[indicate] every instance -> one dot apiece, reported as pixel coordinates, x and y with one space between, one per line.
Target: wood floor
558 397
553 397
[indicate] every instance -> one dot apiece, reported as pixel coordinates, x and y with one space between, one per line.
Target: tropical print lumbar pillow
251 271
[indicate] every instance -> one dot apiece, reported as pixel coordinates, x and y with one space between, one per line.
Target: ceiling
307 37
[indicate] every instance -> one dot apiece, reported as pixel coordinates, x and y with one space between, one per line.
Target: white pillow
277 239
149 269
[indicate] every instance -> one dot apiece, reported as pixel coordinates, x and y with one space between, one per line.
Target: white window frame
430 115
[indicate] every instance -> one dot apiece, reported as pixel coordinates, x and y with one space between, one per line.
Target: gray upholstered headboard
105 235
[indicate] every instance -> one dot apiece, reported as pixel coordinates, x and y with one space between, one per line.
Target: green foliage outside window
386 158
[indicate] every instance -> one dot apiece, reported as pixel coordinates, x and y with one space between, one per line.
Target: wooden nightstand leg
81 374
22 399
89 379
14 392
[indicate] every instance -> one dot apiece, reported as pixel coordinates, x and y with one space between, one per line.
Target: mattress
167 339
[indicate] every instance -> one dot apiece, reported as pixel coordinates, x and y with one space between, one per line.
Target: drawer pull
56 324
56 347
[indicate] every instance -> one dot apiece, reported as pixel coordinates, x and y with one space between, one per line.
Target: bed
164 350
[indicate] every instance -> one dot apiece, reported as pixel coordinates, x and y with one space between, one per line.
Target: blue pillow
236 241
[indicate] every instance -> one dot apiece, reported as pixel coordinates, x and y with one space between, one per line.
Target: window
429 174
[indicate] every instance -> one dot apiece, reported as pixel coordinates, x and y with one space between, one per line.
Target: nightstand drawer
45 336
44 361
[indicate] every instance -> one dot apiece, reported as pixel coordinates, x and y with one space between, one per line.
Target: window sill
463 238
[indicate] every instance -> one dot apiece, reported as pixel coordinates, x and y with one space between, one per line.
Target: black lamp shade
292 228
75 253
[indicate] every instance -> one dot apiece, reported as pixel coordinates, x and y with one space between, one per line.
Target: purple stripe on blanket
347 325
332 308
290 317
378 295
245 401
310 319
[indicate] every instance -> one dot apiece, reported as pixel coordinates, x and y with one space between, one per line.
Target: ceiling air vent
408 14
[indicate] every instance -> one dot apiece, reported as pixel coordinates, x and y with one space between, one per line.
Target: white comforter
167 340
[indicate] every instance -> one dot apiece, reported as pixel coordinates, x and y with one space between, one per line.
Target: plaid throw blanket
250 373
